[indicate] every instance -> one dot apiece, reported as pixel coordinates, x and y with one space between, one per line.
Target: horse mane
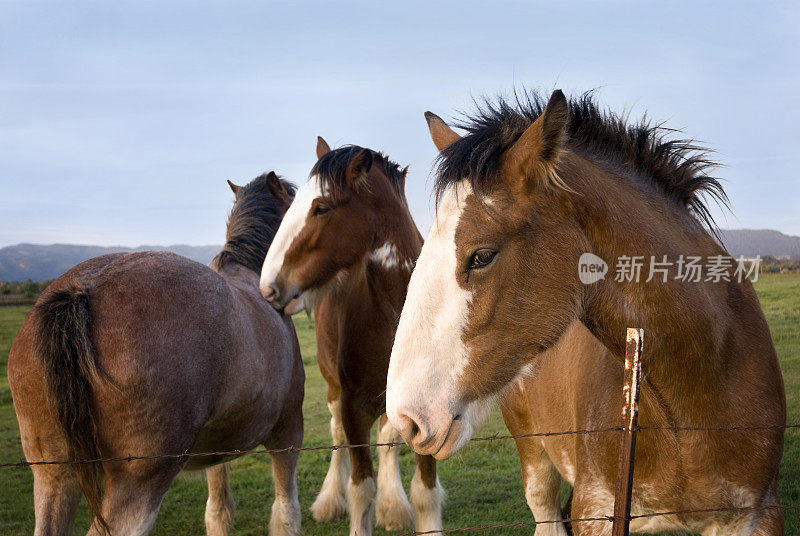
330 170
252 224
676 167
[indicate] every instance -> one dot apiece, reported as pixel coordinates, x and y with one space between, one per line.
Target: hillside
40 262
750 242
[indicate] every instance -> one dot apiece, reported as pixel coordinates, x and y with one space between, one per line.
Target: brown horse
346 249
522 196
152 353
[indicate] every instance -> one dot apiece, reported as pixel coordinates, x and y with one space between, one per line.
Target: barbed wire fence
629 429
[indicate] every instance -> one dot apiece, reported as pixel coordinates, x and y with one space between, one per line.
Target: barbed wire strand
603 518
719 428
507 525
714 510
495 437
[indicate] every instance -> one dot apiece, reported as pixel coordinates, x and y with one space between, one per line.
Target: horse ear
322 147
403 177
358 167
234 188
443 136
535 154
276 186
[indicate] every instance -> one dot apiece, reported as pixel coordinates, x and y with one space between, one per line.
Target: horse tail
66 352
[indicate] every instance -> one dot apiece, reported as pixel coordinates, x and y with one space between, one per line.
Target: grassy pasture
483 482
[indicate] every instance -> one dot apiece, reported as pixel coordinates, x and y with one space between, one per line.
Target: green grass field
483 481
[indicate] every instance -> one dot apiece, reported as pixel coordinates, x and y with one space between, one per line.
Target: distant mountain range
751 242
37 262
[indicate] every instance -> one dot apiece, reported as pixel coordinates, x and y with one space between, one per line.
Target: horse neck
247 241
688 345
396 227
396 244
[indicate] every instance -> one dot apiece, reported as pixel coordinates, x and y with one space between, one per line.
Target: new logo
591 268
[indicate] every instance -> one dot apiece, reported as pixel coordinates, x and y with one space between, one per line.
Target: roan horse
521 196
151 353
346 249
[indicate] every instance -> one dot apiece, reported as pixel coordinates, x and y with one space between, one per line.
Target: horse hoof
329 506
394 513
285 519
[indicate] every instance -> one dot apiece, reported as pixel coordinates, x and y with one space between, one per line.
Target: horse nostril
412 431
268 291
406 427
275 295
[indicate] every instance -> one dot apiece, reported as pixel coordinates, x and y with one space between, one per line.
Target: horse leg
55 499
132 498
393 510
287 437
331 503
361 489
427 495
766 522
760 523
540 477
591 500
771 522
542 484
55 487
220 505
285 519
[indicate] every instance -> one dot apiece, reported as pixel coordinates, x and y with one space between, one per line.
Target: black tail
66 352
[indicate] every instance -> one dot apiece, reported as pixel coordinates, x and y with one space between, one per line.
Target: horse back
166 332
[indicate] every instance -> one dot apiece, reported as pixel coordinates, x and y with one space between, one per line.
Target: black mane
330 169
675 166
252 224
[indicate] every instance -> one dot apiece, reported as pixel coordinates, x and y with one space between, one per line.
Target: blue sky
119 122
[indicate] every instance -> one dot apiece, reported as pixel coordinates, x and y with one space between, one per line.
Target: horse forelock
330 171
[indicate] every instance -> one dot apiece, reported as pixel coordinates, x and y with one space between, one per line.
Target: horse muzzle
288 301
439 440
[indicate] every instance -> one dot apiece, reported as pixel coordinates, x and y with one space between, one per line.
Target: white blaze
428 355
293 222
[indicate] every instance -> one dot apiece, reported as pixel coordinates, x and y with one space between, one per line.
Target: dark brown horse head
333 223
254 219
496 282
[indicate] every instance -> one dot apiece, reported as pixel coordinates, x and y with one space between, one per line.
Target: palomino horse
522 196
346 249
151 353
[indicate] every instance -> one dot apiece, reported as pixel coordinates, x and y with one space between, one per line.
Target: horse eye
320 210
482 258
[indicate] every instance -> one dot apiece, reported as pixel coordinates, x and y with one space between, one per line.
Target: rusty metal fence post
630 423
